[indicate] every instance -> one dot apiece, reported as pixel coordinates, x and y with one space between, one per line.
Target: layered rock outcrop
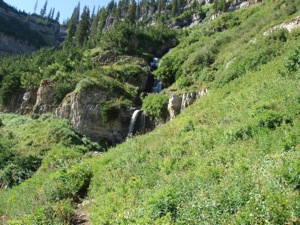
44 99
83 111
179 104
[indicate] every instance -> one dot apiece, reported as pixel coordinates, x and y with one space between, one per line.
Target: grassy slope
204 167
232 158
50 193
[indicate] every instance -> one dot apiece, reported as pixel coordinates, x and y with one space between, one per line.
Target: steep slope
231 158
23 33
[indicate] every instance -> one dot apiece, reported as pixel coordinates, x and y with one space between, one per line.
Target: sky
65 7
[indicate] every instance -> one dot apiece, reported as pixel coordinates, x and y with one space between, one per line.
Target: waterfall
142 123
157 87
132 124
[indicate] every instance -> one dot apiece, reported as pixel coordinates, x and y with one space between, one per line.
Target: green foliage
64 84
14 27
133 40
10 83
231 158
110 110
70 183
83 29
156 105
292 64
18 170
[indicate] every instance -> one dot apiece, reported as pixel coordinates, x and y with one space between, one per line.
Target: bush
19 169
292 65
71 183
156 105
10 84
110 110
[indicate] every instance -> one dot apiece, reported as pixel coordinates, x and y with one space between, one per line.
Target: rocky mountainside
222 95
23 33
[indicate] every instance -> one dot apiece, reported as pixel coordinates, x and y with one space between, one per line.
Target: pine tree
110 7
117 15
102 22
174 8
94 27
137 10
83 30
44 9
159 7
52 14
130 17
36 5
57 16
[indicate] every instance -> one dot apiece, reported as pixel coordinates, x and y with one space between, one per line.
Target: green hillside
233 157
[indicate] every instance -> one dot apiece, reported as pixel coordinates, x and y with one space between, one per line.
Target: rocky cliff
84 112
23 33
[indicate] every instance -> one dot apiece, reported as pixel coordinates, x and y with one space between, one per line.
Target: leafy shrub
6 151
19 169
68 183
111 109
59 158
10 84
292 65
156 105
64 84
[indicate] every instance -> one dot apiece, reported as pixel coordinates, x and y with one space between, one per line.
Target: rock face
29 99
10 44
84 113
289 26
177 105
14 102
187 100
174 106
49 31
44 99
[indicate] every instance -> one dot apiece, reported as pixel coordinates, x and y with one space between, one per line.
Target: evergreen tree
36 5
130 17
174 8
110 7
117 15
159 7
102 21
72 24
44 9
94 27
93 12
137 10
52 14
83 30
57 16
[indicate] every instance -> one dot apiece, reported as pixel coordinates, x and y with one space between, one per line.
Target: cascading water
133 123
138 118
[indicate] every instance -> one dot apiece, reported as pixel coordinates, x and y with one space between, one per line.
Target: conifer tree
52 14
130 17
44 9
94 27
36 5
117 15
57 16
72 24
102 21
83 29
174 8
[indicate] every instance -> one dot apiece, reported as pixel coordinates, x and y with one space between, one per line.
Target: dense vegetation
231 158
19 27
